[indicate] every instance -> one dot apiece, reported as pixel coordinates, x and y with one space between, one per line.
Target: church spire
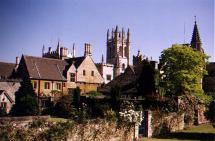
196 41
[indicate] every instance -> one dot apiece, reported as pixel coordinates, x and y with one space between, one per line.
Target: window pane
108 77
72 77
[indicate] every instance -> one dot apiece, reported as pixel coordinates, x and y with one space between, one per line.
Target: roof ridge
8 63
43 58
37 69
59 71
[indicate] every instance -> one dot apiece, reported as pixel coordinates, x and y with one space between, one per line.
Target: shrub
2 112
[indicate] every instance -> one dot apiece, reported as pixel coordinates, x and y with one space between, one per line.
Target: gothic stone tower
118 50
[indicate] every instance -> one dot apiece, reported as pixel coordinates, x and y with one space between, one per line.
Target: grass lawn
54 119
196 133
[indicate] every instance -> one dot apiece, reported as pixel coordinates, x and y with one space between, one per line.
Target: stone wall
166 123
101 130
22 121
201 119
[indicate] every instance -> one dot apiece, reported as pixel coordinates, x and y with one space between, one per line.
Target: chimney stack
73 50
87 49
17 61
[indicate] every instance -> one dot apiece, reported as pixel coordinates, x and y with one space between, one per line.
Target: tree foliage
26 101
182 70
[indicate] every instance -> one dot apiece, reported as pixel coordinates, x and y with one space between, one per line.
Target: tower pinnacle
108 34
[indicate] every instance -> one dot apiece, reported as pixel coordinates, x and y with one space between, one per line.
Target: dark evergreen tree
2 112
76 97
146 81
64 108
26 103
115 97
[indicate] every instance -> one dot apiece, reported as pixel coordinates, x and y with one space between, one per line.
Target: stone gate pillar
148 121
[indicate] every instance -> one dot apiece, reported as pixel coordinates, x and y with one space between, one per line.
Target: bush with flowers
128 114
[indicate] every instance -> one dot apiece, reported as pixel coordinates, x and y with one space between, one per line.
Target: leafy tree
26 103
182 71
146 81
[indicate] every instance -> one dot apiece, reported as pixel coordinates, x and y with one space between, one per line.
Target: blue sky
25 25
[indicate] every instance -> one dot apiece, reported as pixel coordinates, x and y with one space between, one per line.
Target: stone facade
6 102
106 71
8 89
117 55
118 50
88 77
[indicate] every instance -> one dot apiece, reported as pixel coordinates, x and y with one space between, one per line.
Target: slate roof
10 88
6 69
77 61
125 80
45 68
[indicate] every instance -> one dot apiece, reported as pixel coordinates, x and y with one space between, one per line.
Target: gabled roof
7 95
126 79
45 68
6 69
76 61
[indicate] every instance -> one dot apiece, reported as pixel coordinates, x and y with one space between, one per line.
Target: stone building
8 85
6 101
106 70
49 75
117 55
